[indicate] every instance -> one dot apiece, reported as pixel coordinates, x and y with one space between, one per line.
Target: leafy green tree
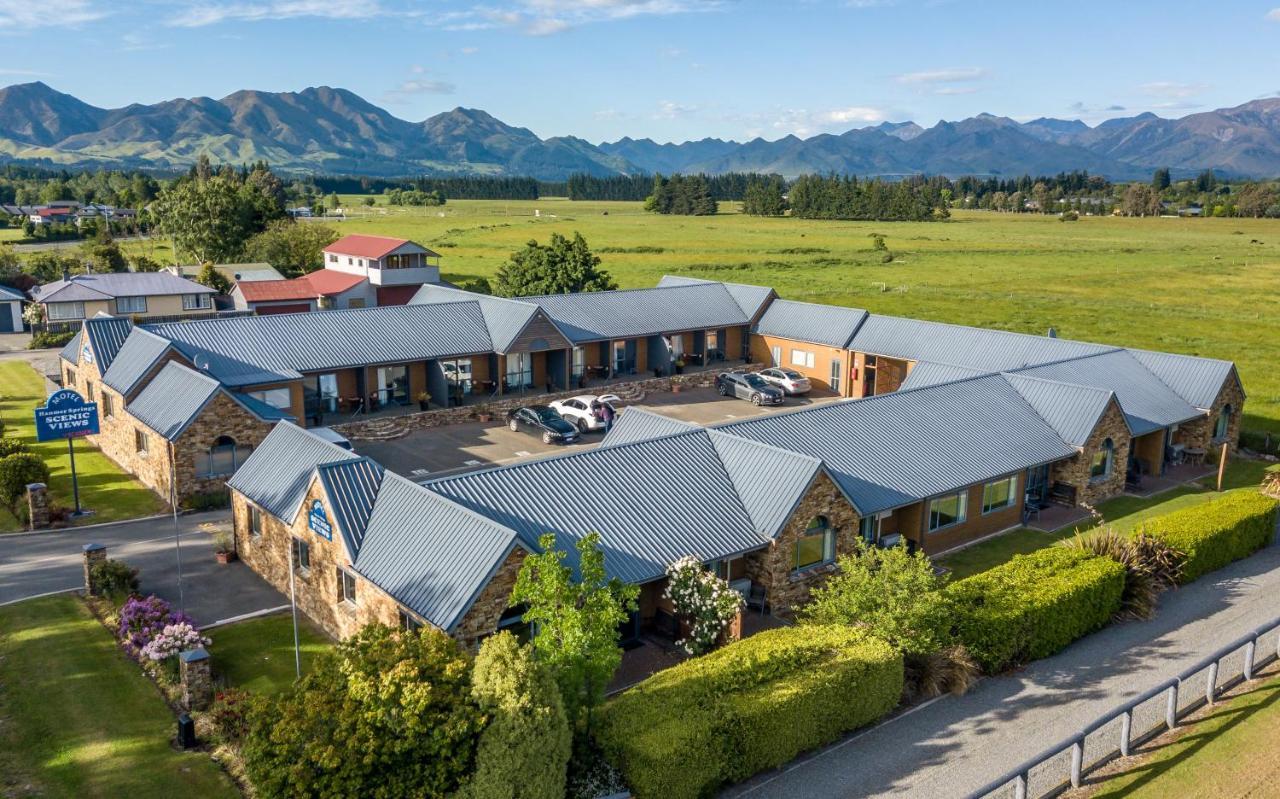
294 248
1160 179
561 267
477 285
103 253
47 266
765 197
684 195
1139 199
577 621
213 279
524 750
207 219
387 714
1206 181
142 263
17 471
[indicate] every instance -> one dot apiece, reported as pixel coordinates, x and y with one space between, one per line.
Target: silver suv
750 387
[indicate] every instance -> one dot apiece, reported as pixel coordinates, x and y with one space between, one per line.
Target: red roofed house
359 272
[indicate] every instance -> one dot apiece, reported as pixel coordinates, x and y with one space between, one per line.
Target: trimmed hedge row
750 706
1218 532
1034 605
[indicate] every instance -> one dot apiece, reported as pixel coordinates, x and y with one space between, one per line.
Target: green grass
1229 752
77 719
11 234
257 655
104 488
1197 286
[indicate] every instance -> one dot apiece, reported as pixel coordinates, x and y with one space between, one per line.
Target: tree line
28 185
472 187
730 186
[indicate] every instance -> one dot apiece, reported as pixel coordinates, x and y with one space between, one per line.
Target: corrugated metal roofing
8 293
1196 380
805 321
769 481
107 335
639 497
928 373
117 284
250 350
352 486
751 299
140 351
895 449
70 351
366 246
957 345
1070 409
504 318
276 476
429 553
176 396
602 315
638 424
1148 403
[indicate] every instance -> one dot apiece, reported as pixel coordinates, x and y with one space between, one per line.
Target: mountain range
334 131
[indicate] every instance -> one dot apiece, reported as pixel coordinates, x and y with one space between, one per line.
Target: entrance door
1038 484
393 385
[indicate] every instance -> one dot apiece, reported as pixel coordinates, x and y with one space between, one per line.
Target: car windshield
755 381
794 375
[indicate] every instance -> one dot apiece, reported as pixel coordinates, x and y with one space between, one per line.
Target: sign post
66 414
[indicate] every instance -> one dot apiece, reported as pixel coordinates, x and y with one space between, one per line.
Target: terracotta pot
225 557
484 417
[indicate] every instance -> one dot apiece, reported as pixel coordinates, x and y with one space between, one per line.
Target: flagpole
293 606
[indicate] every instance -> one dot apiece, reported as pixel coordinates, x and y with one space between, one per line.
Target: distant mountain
327 130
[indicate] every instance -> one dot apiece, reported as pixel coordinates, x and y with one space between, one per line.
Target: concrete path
32 564
957 744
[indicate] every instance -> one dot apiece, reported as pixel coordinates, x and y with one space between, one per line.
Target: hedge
1034 605
750 706
1218 532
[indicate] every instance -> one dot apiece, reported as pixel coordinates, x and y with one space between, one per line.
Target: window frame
1011 500
345 575
1222 425
301 552
818 525
836 377
961 515
1107 451
141 442
121 309
77 311
255 521
409 622
107 404
196 302
807 358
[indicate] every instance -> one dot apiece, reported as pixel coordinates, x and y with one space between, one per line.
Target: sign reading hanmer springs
66 414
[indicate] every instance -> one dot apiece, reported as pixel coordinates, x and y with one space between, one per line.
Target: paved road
38 563
66 244
957 744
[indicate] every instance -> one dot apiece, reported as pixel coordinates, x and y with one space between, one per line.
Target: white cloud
1172 89
952 90
670 110
947 75
200 15
806 122
1274 15
547 17
422 83
20 15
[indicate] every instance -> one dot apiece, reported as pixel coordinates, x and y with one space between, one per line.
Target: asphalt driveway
32 564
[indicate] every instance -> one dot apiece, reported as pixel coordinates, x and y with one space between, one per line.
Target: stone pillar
93 555
197 679
38 505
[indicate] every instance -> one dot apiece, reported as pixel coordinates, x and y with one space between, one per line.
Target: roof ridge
613 292
1056 382
997 330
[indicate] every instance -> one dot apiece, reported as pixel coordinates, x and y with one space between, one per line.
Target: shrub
949 670
207 500
704 600
1034 605
747 707
524 750
16 472
173 639
46 340
1260 441
1217 532
1151 567
143 619
12 446
114 578
229 715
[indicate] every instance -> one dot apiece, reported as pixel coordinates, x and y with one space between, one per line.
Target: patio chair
757 597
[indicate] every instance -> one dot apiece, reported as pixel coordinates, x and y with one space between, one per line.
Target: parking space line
471 463
522 453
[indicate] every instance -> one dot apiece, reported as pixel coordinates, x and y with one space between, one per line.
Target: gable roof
928 373
635 423
751 299
1070 409
140 351
322 282
504 318
831 325
768 480
352 486
177 394
106 285
70 351
276 476
107 335
364 246
602 315
10 293
1197 380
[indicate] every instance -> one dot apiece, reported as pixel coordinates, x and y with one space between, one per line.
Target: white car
580 411
789 380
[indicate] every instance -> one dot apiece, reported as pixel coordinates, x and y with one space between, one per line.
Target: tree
1139 199
294 248
47 266
1254 199
387 714
477 285
561 267
523 752
17 471
765 197
1160 179
577 621
213 279
103 254
1206 181
686 195
207 219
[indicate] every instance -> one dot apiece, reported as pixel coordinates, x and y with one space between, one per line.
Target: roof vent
201 362
1053 332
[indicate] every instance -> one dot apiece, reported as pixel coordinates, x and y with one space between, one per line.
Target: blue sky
667 69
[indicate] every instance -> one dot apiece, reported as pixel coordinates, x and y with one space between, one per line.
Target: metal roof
809 322
352 487
70 351
430 554
176 396
504 318
768 480
106 285
250 350
1147 402
276 476
603 315
1196 380
639 424
928 373
107 335
957 345
8 293
1070 409
136 356
896 449
751 299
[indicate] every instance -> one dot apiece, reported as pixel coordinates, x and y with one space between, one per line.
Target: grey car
750 387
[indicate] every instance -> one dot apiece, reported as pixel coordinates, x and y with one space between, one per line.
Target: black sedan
542 421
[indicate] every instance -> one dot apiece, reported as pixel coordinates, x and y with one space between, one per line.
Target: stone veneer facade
1074 471
772 567
1199 434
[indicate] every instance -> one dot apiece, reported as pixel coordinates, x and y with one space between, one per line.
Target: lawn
1196 286
77 719
257 655
1229 752
104 487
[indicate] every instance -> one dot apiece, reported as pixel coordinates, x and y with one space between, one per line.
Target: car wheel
583 427
546 438
755 399
514 425
723 390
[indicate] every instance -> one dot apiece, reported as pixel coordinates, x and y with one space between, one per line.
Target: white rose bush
702 599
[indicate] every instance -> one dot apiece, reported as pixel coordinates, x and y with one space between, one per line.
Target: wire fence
1120 731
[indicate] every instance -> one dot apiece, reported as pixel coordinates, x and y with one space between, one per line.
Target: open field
104 487
78 719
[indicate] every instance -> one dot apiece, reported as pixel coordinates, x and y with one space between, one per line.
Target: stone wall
1075 470
1199 433
786 588
482 619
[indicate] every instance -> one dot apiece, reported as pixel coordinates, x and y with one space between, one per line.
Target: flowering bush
174 638
702 599
141 620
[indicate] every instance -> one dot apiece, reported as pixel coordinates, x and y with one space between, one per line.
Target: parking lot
443 451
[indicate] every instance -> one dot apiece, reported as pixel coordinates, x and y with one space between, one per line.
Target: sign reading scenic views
318 521
66 414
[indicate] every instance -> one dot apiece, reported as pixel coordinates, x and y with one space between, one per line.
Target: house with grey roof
11 305
133 294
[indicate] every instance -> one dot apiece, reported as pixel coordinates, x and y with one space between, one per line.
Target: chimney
1053 332
66 273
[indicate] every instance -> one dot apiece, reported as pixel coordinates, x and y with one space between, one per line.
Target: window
947 511
802 358
131 304
65 310
196 302
108 407
775 355
816 545
1224 423
275 397
255 522
140 441
224 457
333 259
409 622
579 362
301 555
346 586
999 494
837 369
71 377
88 390
1100 468
869 528
512 620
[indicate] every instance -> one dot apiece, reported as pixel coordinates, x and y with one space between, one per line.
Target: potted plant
224 547
424 400
484 413
680 366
